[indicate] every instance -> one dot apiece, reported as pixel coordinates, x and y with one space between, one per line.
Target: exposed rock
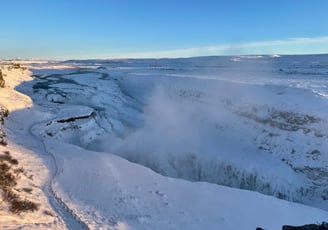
284 120
2 81
74 118
76 112
323 226
3 113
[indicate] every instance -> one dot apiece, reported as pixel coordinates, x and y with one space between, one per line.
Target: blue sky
64 29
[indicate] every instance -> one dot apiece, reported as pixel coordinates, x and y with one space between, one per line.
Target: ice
189 128
205 119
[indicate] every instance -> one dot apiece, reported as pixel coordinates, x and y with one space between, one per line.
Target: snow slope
25 150
111 193
252 123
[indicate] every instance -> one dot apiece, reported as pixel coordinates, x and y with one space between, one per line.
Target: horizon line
289 46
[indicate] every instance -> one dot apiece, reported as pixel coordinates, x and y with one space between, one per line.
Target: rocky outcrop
2 81
74 118
283 120
323 226
3 113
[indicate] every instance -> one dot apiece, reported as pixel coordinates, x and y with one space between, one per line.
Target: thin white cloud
290 41
287 46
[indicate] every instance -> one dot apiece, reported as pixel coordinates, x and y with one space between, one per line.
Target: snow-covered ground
34 176
254 123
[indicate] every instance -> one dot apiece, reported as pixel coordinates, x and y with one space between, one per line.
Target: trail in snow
71 220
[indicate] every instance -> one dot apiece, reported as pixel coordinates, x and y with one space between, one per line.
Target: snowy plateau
196 143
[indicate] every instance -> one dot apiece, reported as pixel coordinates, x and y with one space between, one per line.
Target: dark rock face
323 226
74 118
2 81
3 113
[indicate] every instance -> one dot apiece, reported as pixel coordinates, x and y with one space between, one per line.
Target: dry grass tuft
8 180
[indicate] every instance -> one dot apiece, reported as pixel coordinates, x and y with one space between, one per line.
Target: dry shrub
8 181
18 206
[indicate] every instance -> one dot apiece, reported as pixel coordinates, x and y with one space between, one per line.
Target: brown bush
18 205
8 180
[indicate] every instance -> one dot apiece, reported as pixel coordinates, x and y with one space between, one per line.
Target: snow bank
107 191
